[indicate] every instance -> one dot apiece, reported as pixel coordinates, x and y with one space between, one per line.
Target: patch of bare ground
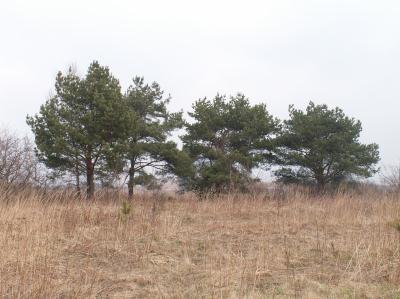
235 246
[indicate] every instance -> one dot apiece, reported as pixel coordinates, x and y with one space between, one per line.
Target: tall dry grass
233 246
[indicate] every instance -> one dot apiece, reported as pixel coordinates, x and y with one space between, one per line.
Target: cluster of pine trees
90 128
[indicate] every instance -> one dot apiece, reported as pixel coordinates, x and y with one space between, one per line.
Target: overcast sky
343 53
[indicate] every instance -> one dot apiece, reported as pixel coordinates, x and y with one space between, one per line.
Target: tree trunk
321 182
89 178
78 182
321 185
131 180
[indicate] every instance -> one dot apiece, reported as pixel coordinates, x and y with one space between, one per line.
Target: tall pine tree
227 140
77 128
147 147
321 146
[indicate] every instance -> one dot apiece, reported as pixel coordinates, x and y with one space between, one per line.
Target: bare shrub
391 178
18 162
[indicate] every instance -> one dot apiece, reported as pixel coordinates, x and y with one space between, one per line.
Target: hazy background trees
18 162
391 177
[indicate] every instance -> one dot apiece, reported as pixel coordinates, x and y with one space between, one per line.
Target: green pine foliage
321 146
77 129
227 140
89 128
147 147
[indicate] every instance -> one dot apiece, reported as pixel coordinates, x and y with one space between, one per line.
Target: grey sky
343 53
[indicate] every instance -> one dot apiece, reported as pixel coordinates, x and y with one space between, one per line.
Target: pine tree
227 140
147 146
321 146
78 128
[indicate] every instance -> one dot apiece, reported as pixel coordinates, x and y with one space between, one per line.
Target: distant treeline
90 129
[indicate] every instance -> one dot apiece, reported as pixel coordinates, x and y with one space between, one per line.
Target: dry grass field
238 246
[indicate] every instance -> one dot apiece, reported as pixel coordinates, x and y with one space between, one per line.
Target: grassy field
237 246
